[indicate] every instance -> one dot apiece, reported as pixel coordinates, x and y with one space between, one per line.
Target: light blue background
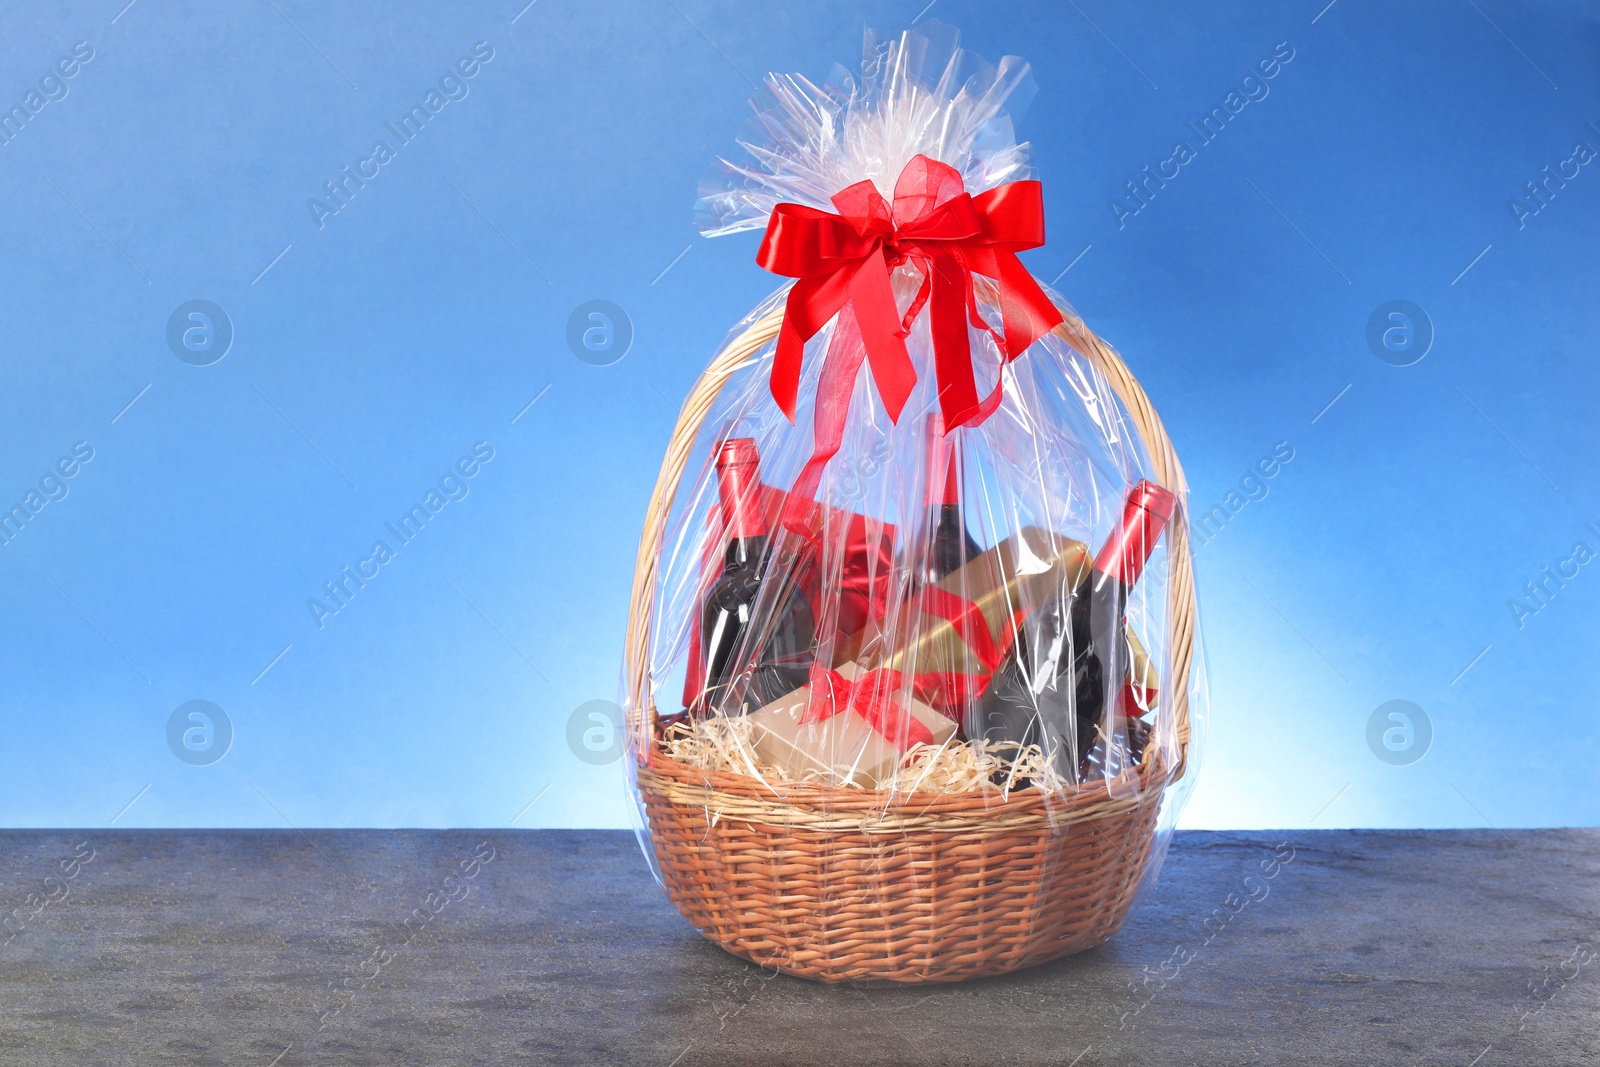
427 314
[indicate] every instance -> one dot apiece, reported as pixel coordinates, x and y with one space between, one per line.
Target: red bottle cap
738 474
1144 516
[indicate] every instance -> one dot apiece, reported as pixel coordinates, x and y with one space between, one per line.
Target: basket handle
1168 473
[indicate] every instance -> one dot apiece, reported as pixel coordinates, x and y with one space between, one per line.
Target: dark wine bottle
1101 654
1060 686
1030 700
950 545
744 677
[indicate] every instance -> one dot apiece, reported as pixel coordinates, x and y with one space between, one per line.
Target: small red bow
872 697
844 263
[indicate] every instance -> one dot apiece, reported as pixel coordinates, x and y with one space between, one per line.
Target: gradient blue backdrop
428 313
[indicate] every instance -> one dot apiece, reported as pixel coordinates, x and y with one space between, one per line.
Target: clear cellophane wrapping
943 655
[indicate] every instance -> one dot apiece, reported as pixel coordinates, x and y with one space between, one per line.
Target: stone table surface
354 947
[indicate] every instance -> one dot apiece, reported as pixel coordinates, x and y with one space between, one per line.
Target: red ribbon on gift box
844 264
872 696
949 691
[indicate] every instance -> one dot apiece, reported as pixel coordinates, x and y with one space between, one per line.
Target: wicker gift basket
893 879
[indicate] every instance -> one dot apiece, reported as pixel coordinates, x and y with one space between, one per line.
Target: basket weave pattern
862 901
844 884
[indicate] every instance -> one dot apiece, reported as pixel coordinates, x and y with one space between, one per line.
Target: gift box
855 733
1029 569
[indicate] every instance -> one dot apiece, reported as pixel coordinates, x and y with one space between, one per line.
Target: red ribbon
844 263
872 696
948 691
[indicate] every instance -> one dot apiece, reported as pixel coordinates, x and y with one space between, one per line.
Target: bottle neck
943 488
742 514
1144 516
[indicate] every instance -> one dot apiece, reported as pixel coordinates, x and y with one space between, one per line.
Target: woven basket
845 884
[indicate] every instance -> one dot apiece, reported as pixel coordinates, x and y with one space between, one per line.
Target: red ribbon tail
811 303
872 300
1026 312
952 346
834 387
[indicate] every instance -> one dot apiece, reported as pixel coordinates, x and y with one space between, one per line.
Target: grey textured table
398 947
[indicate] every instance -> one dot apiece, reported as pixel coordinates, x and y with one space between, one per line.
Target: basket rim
852 797
823 807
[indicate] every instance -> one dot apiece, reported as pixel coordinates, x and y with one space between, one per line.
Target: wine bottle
1101 654
735 676
1029 700
950 545
1060 685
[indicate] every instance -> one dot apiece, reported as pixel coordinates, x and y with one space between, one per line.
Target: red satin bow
872 696
844 263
